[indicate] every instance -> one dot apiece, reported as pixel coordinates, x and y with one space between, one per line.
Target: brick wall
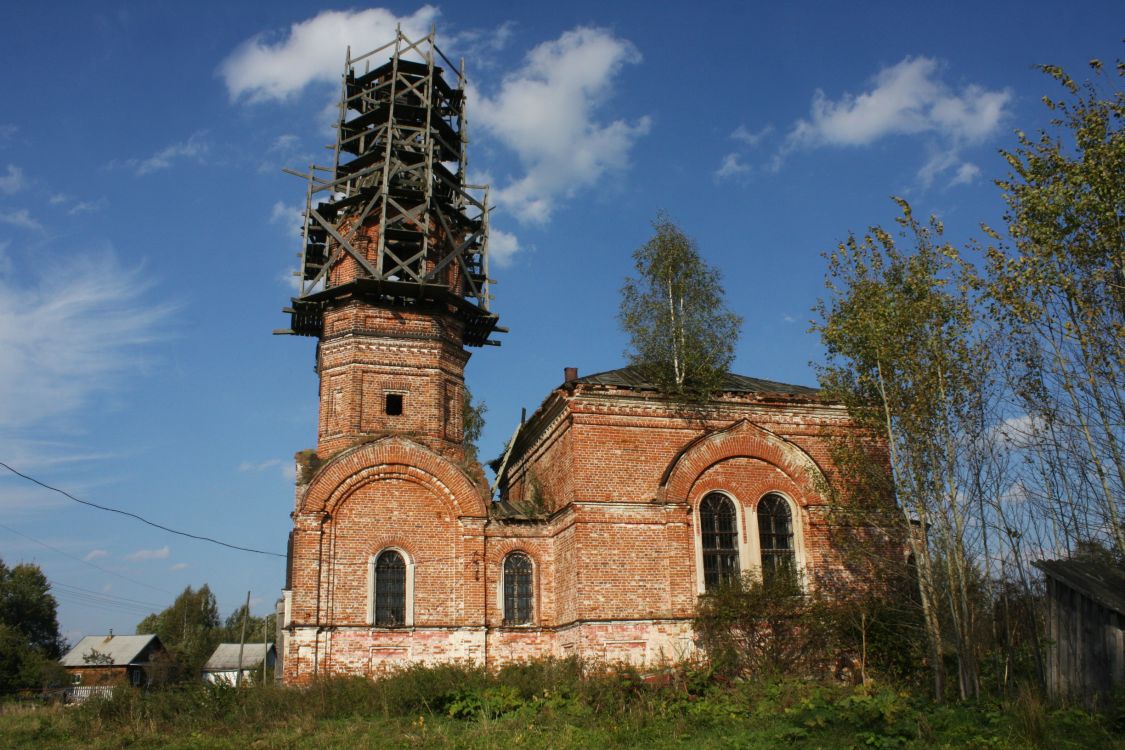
609 480
368 354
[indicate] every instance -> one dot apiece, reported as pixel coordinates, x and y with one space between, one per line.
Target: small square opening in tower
394 404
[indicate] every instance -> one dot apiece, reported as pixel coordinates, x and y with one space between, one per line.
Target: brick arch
743 439
395 458
506 547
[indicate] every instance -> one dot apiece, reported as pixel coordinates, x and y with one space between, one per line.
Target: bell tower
394 266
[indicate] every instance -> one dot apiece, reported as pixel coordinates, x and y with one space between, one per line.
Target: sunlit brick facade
601 491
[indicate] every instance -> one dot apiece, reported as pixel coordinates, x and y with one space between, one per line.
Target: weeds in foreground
555 704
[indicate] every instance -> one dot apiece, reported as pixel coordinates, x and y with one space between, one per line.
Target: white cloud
787 318
259 466
284 143
94 554
290 217
194 148
940 161
906 98
546 113
20 217
13 181
743 135
479 44
262 69
88 207
286 468
149 554
84 316
732 166
179 566
966 173
502 246
1020 431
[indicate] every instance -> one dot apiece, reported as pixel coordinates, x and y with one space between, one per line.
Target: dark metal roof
1099 580
630 377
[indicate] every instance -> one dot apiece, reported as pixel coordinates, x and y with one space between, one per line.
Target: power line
86 562
67 588
104 603
64 493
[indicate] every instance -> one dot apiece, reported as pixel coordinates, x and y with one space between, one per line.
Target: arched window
518 590
719 529
390 589
775 536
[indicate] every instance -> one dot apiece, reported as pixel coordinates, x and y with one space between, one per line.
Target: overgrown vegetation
987 385
551 704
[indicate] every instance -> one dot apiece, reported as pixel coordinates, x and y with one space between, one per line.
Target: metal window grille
720 539
390 590
518 592
775 533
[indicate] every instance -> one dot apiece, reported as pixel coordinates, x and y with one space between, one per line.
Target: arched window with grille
519 591
718 526
775 536
390 589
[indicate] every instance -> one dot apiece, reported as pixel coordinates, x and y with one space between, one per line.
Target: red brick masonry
606 480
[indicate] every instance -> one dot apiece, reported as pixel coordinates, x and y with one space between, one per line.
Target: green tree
189 628
1057 288
897 326
30 642
472 422
232 627
682 336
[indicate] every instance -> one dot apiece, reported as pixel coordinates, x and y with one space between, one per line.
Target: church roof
630 377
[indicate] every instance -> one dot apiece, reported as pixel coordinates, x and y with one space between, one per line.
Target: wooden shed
1086 628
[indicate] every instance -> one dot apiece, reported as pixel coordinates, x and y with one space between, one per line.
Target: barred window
390 589
518 590
775 535
719 528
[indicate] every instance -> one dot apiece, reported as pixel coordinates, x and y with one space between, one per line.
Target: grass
550 704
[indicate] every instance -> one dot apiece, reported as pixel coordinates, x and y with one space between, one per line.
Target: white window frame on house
796 519
740 527
408 605
500 603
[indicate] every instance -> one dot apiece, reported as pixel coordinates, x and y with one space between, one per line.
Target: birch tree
682 336
897 326
1057 287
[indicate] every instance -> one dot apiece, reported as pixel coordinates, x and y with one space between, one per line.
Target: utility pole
265 649
242 641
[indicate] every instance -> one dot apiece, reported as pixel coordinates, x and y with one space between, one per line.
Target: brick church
616 508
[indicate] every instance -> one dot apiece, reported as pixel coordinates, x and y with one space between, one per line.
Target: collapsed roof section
393 221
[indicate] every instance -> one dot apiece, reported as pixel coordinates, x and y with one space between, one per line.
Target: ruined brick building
617 508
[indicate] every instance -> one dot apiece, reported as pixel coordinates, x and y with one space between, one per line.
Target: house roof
117 650
225 656
630 377
1102 582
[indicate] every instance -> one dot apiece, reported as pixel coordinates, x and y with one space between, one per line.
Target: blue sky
147 232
